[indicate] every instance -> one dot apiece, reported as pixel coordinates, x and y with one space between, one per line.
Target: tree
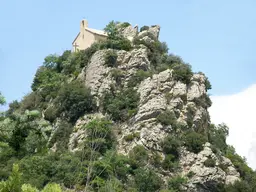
13 183
112 30
51 61
2 99
147 180
74 100
99 139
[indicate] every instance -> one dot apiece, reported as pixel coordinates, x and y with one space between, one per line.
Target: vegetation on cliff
35 132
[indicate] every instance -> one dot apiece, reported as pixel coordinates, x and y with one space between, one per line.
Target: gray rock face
154 92
155 30
79 133
204 177
158 94
129 32
97 75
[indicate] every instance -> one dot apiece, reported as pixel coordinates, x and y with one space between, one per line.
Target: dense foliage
121 105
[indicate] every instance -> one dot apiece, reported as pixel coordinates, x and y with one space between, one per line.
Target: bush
147 180
208 85
132 136
217 136
171 145
74 100
138 156
13 106
182 72
31 101
124 25
112 185
111 58
120 164
117 74
144 28
61 135
194 142
118 44
167 118
175 183
99 135
209 162
170 163
50 114
52 187
88 53
238 162
138 77
47 78
190 174
118 105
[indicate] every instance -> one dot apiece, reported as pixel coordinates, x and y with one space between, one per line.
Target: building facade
87 36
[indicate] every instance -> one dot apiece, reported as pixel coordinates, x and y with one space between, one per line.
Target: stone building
87 36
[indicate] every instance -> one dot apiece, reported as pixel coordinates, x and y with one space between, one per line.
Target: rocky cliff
122 115
159 93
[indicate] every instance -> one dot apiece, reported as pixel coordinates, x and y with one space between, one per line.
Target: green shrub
119 104
139 156
28 188
52 187
111 58
120 164
47 79
61 135
194 142
182 72
147 180
223 167
118 44
217 136
50 114
208 85
74 100
99 135
190 174
112 185
171 145
13 184
65 168
170 163
144 28
156 159
13 106
31 101
175 183
238 162
138 77
167 118
124 25
209 162
117 74
87 54
2 99
132 136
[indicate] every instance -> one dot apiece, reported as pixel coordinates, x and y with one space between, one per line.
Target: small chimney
83 25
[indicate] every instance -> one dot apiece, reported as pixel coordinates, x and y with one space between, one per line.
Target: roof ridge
96 31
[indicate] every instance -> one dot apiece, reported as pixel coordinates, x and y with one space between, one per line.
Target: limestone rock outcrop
203 177
158 93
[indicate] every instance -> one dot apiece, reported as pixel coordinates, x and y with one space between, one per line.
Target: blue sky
216 37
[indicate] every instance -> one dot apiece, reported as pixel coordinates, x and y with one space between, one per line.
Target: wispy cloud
238 113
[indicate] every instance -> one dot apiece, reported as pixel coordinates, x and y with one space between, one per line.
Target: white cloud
238 113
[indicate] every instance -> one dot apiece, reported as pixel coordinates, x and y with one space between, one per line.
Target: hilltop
121 115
